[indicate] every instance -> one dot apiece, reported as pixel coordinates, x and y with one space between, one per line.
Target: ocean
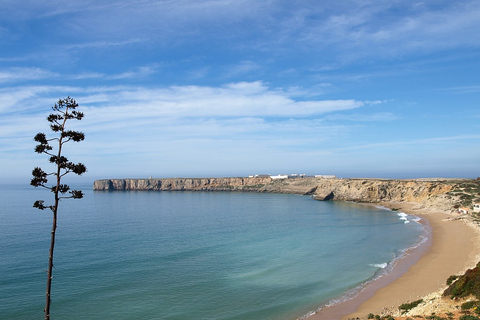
192 255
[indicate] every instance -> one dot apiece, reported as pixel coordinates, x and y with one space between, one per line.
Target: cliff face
425 194
428 194
365 190
182 184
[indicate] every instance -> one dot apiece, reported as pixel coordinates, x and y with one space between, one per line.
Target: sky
214 88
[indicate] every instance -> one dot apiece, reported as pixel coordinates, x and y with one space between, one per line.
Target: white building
280 176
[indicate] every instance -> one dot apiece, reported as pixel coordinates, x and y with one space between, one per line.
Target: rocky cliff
427 194
182 184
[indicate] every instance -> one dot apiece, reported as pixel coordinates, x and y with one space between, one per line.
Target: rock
426 194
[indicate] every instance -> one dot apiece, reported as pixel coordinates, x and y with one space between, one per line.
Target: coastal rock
181 184
424 193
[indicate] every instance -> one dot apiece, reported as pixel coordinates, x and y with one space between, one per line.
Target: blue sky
197 88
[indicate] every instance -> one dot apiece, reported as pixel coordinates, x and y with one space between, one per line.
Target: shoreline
453 247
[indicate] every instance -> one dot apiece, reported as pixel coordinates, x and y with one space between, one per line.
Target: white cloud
34 99
124 105
145 119
300 50
245 100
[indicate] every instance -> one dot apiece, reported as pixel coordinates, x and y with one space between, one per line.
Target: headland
435 193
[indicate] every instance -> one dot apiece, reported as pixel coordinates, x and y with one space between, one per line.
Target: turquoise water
191 255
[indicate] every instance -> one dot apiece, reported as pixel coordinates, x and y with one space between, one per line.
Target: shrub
405 307
468 284
468 317
370 316
470 304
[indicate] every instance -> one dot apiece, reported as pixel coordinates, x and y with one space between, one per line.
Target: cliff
426 194
442 195
182 184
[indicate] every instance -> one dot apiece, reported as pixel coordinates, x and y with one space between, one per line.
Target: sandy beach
453 247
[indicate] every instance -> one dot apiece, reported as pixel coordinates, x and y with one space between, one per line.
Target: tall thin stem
48 298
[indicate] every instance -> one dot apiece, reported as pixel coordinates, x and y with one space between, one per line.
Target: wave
406 218
379 265
384 268
402 215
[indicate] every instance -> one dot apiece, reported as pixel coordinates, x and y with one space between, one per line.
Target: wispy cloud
261 33
376 28
386 29
408 143
17 100
137 73
374 117
464 89
242 99
177 113
22 74
103 44
244 67
289 81
88 75
176 118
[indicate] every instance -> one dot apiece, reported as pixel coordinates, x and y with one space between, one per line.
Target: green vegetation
467 192
405 307
470 305
468 317
466 285
451 279
435 317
